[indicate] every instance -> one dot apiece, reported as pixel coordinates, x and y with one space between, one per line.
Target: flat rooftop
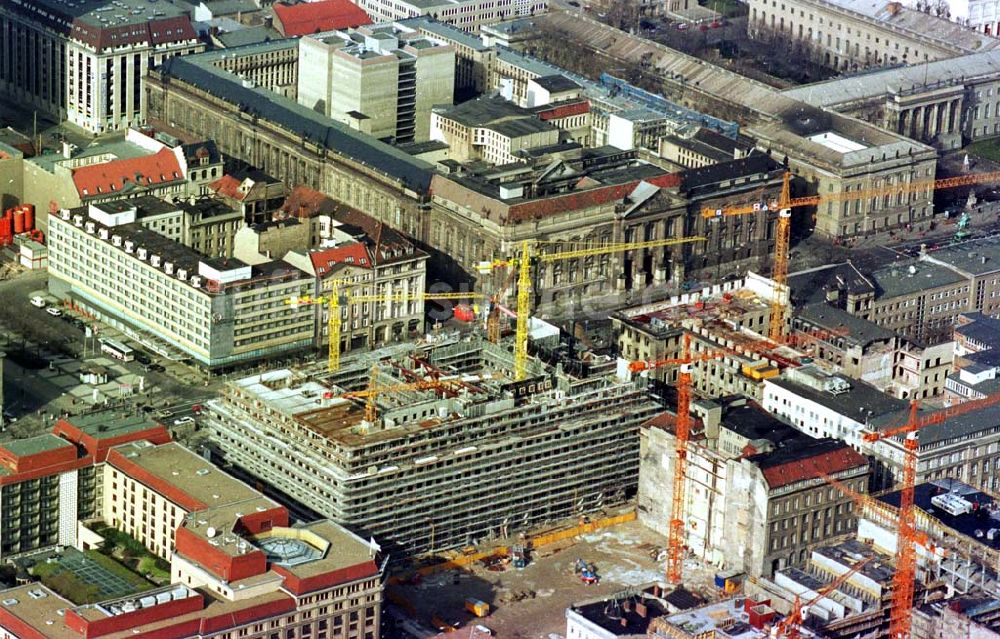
35 445
111 423
911 277
975 257
837 142
856 401
984 515
727 617
191 474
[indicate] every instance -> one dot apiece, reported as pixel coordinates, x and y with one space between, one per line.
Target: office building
491 129
378 79
216 311
86 63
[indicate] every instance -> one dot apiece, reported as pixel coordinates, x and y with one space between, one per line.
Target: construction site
436 446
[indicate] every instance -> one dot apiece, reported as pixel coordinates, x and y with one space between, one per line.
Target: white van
38 301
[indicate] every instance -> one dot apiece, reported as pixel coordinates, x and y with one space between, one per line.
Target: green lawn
989 149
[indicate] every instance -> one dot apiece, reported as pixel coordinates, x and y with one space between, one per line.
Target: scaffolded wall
469 472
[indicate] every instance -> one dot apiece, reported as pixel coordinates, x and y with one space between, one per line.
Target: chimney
624 622
640 609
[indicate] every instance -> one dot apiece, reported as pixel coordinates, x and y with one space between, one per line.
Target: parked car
683 26
157 367
53 311
38 301
143 359
180 421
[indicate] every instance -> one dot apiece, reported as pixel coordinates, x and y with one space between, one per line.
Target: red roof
228 186
118 175
562 110
805 467
311 17
545 207
355 254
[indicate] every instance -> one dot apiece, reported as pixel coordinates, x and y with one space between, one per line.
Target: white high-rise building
84 60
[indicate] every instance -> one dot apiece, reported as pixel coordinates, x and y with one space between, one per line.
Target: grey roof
929 75
301 121
986 387
856 403
445 31
975 257
250 35
810 285
556 83
961 426
521 126
898 280
483 111
983 329
828 317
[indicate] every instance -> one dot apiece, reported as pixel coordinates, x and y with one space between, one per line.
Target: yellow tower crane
336 299
523 264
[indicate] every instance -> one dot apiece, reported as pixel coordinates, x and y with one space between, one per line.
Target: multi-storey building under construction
480 456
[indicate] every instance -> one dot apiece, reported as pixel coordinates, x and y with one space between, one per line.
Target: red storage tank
18 221
6 229
29 216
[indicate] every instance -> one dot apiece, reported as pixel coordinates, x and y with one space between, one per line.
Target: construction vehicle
523 265
784 205
788 627
900 618
477 607
587 572
519 555
335 299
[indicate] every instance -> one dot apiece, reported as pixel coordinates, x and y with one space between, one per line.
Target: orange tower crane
785 203
906 554
682 434
788 628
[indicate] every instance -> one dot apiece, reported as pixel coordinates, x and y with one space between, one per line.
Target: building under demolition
448 450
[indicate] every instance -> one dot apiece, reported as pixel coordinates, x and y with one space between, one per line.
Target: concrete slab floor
531 603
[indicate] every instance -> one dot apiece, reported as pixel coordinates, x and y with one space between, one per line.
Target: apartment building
698 146
467 15
50 481
149 491
256 194
221 311
850 35
922 298
237 568
86 64
377 79
435 472
864 350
